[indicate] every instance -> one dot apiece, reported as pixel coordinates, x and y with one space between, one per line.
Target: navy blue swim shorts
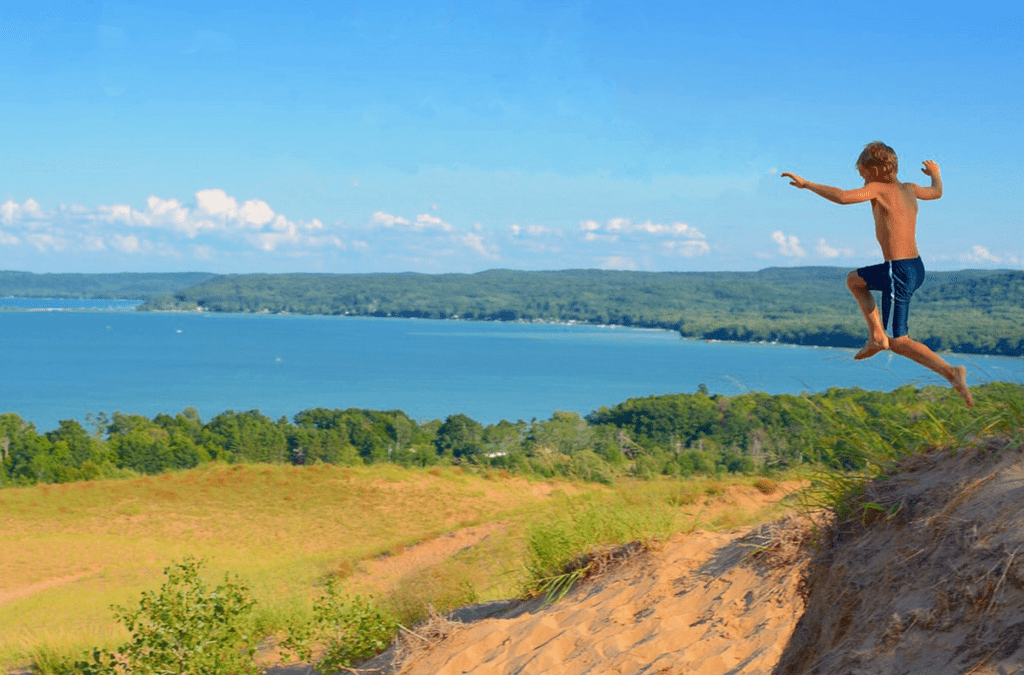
897 280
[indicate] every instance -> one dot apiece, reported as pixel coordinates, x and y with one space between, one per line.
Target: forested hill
125 285
972 311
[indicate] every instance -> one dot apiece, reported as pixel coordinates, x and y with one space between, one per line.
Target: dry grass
429 633
73 550
785 541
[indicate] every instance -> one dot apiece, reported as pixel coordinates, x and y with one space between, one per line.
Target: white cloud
11 211
217 221
530 231
216 203
47 242
424 242
118 213
824 250
93 244
594 236
426 221
789 246
256 212
386 219
476 243
624 226
688 249
674 239
129 244
8 239
981 254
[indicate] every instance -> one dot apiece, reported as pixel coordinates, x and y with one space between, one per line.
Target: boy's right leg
921 353
877 340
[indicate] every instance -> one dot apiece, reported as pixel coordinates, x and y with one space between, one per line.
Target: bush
347 630
183 629
766 485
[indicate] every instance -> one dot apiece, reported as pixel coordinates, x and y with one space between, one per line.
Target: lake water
64 364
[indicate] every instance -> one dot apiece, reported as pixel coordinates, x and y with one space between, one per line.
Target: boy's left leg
877 339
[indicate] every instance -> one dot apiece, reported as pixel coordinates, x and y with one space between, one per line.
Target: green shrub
182 629
343 632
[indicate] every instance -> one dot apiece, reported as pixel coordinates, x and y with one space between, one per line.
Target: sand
927 580
693 605
936 587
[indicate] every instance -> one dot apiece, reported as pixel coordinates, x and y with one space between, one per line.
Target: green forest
971 311
124 286
974 311
676 435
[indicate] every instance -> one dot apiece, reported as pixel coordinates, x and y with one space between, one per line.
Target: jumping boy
894 205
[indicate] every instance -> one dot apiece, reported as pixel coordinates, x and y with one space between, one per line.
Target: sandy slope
937 588
691 606
932 583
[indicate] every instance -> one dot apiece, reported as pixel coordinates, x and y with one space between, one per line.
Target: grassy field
70 551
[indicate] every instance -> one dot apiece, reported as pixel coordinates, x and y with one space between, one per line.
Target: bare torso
895 212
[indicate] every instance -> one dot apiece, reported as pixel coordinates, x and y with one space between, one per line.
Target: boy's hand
930 168
800 182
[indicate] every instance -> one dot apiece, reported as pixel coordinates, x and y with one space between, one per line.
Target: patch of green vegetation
970 311
184 628
342 632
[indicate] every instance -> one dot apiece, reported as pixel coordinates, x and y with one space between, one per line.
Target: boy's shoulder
894 186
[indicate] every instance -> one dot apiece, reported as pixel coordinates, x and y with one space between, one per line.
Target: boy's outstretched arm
935 190
833 194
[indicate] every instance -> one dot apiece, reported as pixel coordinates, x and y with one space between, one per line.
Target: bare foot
871 348
959 382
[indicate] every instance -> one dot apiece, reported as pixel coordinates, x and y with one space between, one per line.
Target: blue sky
463 136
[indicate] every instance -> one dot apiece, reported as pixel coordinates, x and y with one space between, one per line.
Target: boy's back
894 207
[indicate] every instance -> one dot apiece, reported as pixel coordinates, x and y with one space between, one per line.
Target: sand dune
937 587
931 583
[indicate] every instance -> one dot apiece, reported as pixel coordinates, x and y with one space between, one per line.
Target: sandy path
383 573
31 589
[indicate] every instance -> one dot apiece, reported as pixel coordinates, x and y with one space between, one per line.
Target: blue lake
64 364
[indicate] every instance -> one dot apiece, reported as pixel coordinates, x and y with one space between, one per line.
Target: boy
894 205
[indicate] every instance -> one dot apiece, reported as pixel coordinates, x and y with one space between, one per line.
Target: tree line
970 311
975 311
677 434
123 285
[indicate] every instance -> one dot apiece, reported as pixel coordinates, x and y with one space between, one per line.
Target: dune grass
559 546
998 414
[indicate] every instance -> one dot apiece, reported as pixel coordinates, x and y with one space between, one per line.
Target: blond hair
879 162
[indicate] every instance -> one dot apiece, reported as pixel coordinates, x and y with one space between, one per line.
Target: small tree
183 629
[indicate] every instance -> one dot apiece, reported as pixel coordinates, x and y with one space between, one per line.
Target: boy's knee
854 281
900 344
